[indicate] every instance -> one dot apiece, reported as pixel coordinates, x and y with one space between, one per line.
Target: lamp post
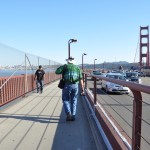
94 63
70 41
103 66
82 59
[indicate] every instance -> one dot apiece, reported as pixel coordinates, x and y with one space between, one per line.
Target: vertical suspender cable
136 49
26 83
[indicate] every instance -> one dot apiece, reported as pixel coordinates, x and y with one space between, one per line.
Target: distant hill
120 62
112 65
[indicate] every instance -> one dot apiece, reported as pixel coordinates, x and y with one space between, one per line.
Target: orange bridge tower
144 46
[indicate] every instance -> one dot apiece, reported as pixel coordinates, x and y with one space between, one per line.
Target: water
7 73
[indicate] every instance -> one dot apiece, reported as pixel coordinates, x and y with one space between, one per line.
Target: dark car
141 74
133 77
96 73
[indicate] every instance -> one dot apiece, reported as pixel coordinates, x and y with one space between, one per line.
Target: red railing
17 86
114 139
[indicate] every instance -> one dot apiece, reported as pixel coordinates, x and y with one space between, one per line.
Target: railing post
85 81
137 115
83 77
49 71
95 90
26 88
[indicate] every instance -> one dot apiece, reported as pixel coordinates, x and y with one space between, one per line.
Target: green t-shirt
72 73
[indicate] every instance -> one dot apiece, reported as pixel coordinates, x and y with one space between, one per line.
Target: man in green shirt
72 77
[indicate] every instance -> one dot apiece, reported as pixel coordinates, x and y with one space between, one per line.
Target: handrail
15 86
131 85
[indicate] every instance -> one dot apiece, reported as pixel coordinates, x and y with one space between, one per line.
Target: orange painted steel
144 44
15 87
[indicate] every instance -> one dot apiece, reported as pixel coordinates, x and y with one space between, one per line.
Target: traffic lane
117 99
145 80
120 106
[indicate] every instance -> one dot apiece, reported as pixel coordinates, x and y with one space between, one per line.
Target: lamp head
72 40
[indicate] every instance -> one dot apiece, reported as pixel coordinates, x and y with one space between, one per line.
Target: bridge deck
37 122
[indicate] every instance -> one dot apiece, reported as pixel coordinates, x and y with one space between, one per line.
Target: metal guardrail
137 111
18 86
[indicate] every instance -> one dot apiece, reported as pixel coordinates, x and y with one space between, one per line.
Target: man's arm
35 76
82 87
43 74
59 70
82 84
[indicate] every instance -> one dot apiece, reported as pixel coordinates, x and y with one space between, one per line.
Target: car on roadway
141 74
110 87
96 73
133 77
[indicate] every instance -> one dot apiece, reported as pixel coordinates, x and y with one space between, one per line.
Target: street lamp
82 59
103 67
94 63
70 41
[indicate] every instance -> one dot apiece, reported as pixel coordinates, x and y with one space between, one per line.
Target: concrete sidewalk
38 122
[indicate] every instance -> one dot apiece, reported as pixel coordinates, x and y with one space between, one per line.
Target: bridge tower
144 45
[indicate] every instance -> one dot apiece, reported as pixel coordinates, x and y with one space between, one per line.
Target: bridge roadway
37 122
121 107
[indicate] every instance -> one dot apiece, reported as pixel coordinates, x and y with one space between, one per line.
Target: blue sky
107 30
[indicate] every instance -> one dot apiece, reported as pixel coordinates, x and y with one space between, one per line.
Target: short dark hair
40 66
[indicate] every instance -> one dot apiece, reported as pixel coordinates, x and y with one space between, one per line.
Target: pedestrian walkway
38 122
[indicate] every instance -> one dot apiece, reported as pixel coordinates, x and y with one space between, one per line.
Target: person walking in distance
39 77
72 76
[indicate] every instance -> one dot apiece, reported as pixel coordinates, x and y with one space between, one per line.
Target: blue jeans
69 97
39 85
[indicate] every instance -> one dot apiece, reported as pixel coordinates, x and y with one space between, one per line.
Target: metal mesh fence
17 73
15 62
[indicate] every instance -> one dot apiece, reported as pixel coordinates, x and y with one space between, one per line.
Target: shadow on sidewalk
34 118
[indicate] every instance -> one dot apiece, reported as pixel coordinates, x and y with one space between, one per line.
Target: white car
112 87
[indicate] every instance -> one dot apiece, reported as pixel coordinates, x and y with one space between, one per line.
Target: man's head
70 60
40 67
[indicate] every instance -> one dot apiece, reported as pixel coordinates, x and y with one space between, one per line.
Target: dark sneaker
69 117
73 118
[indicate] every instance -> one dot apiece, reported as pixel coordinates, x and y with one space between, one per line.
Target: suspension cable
136 49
